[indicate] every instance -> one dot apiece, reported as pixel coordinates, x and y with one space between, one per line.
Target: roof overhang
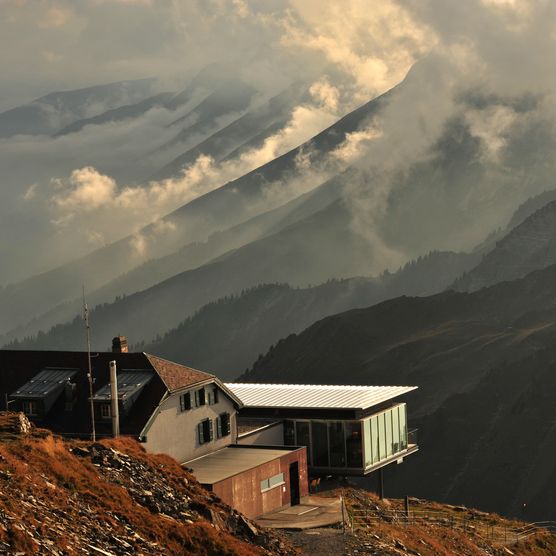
315 396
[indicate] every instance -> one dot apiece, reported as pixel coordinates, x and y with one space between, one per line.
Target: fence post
343 516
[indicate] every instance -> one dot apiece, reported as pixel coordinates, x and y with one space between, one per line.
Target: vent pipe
114 410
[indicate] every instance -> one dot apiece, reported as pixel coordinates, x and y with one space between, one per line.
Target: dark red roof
177 376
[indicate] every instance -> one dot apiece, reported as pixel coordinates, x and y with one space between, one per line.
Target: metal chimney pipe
114 410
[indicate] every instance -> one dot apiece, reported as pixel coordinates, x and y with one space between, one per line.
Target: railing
412 437
467 523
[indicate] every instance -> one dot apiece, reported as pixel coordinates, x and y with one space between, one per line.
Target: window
274 481
199 397
319 436
185 401
212 396
223 425
30 408
289 433
353 444
105 411
205 431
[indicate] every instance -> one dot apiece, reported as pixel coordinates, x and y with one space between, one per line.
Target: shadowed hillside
485 384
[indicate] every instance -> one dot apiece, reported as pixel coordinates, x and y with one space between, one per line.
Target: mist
480 80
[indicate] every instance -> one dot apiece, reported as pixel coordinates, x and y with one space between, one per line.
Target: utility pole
90 370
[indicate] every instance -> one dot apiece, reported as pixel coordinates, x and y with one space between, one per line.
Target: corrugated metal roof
129 383
313 396
44 383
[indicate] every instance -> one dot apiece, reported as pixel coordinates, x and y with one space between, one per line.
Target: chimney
119 345
114 400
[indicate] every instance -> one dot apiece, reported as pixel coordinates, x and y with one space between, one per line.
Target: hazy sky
347 50
48 45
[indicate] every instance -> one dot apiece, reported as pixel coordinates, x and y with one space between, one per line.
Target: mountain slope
529 246
478 361
50 113
260 122
227 335
299 254
219 209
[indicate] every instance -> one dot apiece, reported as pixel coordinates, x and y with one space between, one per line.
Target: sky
48 45
347 53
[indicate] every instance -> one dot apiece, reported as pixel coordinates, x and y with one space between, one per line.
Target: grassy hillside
111 498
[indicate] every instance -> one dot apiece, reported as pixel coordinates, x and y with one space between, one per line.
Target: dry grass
446 536
44 484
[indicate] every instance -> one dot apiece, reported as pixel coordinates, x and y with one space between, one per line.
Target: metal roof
44 383
232 460
129 384
313 396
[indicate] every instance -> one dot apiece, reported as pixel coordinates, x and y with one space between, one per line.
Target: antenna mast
90 370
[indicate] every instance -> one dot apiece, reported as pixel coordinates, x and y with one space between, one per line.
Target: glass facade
385 434
351 444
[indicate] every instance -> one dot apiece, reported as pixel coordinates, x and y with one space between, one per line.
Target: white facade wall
174 432
272 435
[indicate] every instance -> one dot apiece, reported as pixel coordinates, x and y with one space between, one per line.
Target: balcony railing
412 437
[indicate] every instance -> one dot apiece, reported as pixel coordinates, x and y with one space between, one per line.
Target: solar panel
129 384
44 383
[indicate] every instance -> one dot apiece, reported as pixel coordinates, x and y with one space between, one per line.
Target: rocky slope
111 498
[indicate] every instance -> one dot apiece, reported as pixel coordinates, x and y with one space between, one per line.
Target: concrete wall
272 435
174 432
243 491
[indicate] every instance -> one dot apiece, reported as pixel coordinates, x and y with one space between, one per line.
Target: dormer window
105 411
30 408
39 394
212 396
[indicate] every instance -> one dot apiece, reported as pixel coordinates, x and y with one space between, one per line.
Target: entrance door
294 483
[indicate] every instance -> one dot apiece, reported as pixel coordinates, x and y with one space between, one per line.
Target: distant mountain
248 130
52 112
222 208
119 114
529 246
484 364
227 335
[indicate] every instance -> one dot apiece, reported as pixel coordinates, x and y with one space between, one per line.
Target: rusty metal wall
243 491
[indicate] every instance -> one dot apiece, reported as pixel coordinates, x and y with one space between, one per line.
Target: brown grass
44 484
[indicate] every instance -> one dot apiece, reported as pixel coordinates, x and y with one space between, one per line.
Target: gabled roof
176 376
314 396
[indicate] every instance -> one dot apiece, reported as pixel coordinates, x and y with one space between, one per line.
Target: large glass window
388 423
289 433
403 426
337 444
353 444
374 438
320 443
381 437
395 430
368 442
303 436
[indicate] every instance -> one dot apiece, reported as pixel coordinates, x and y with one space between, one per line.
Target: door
294 483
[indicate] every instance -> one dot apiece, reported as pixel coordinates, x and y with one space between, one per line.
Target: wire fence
467 523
